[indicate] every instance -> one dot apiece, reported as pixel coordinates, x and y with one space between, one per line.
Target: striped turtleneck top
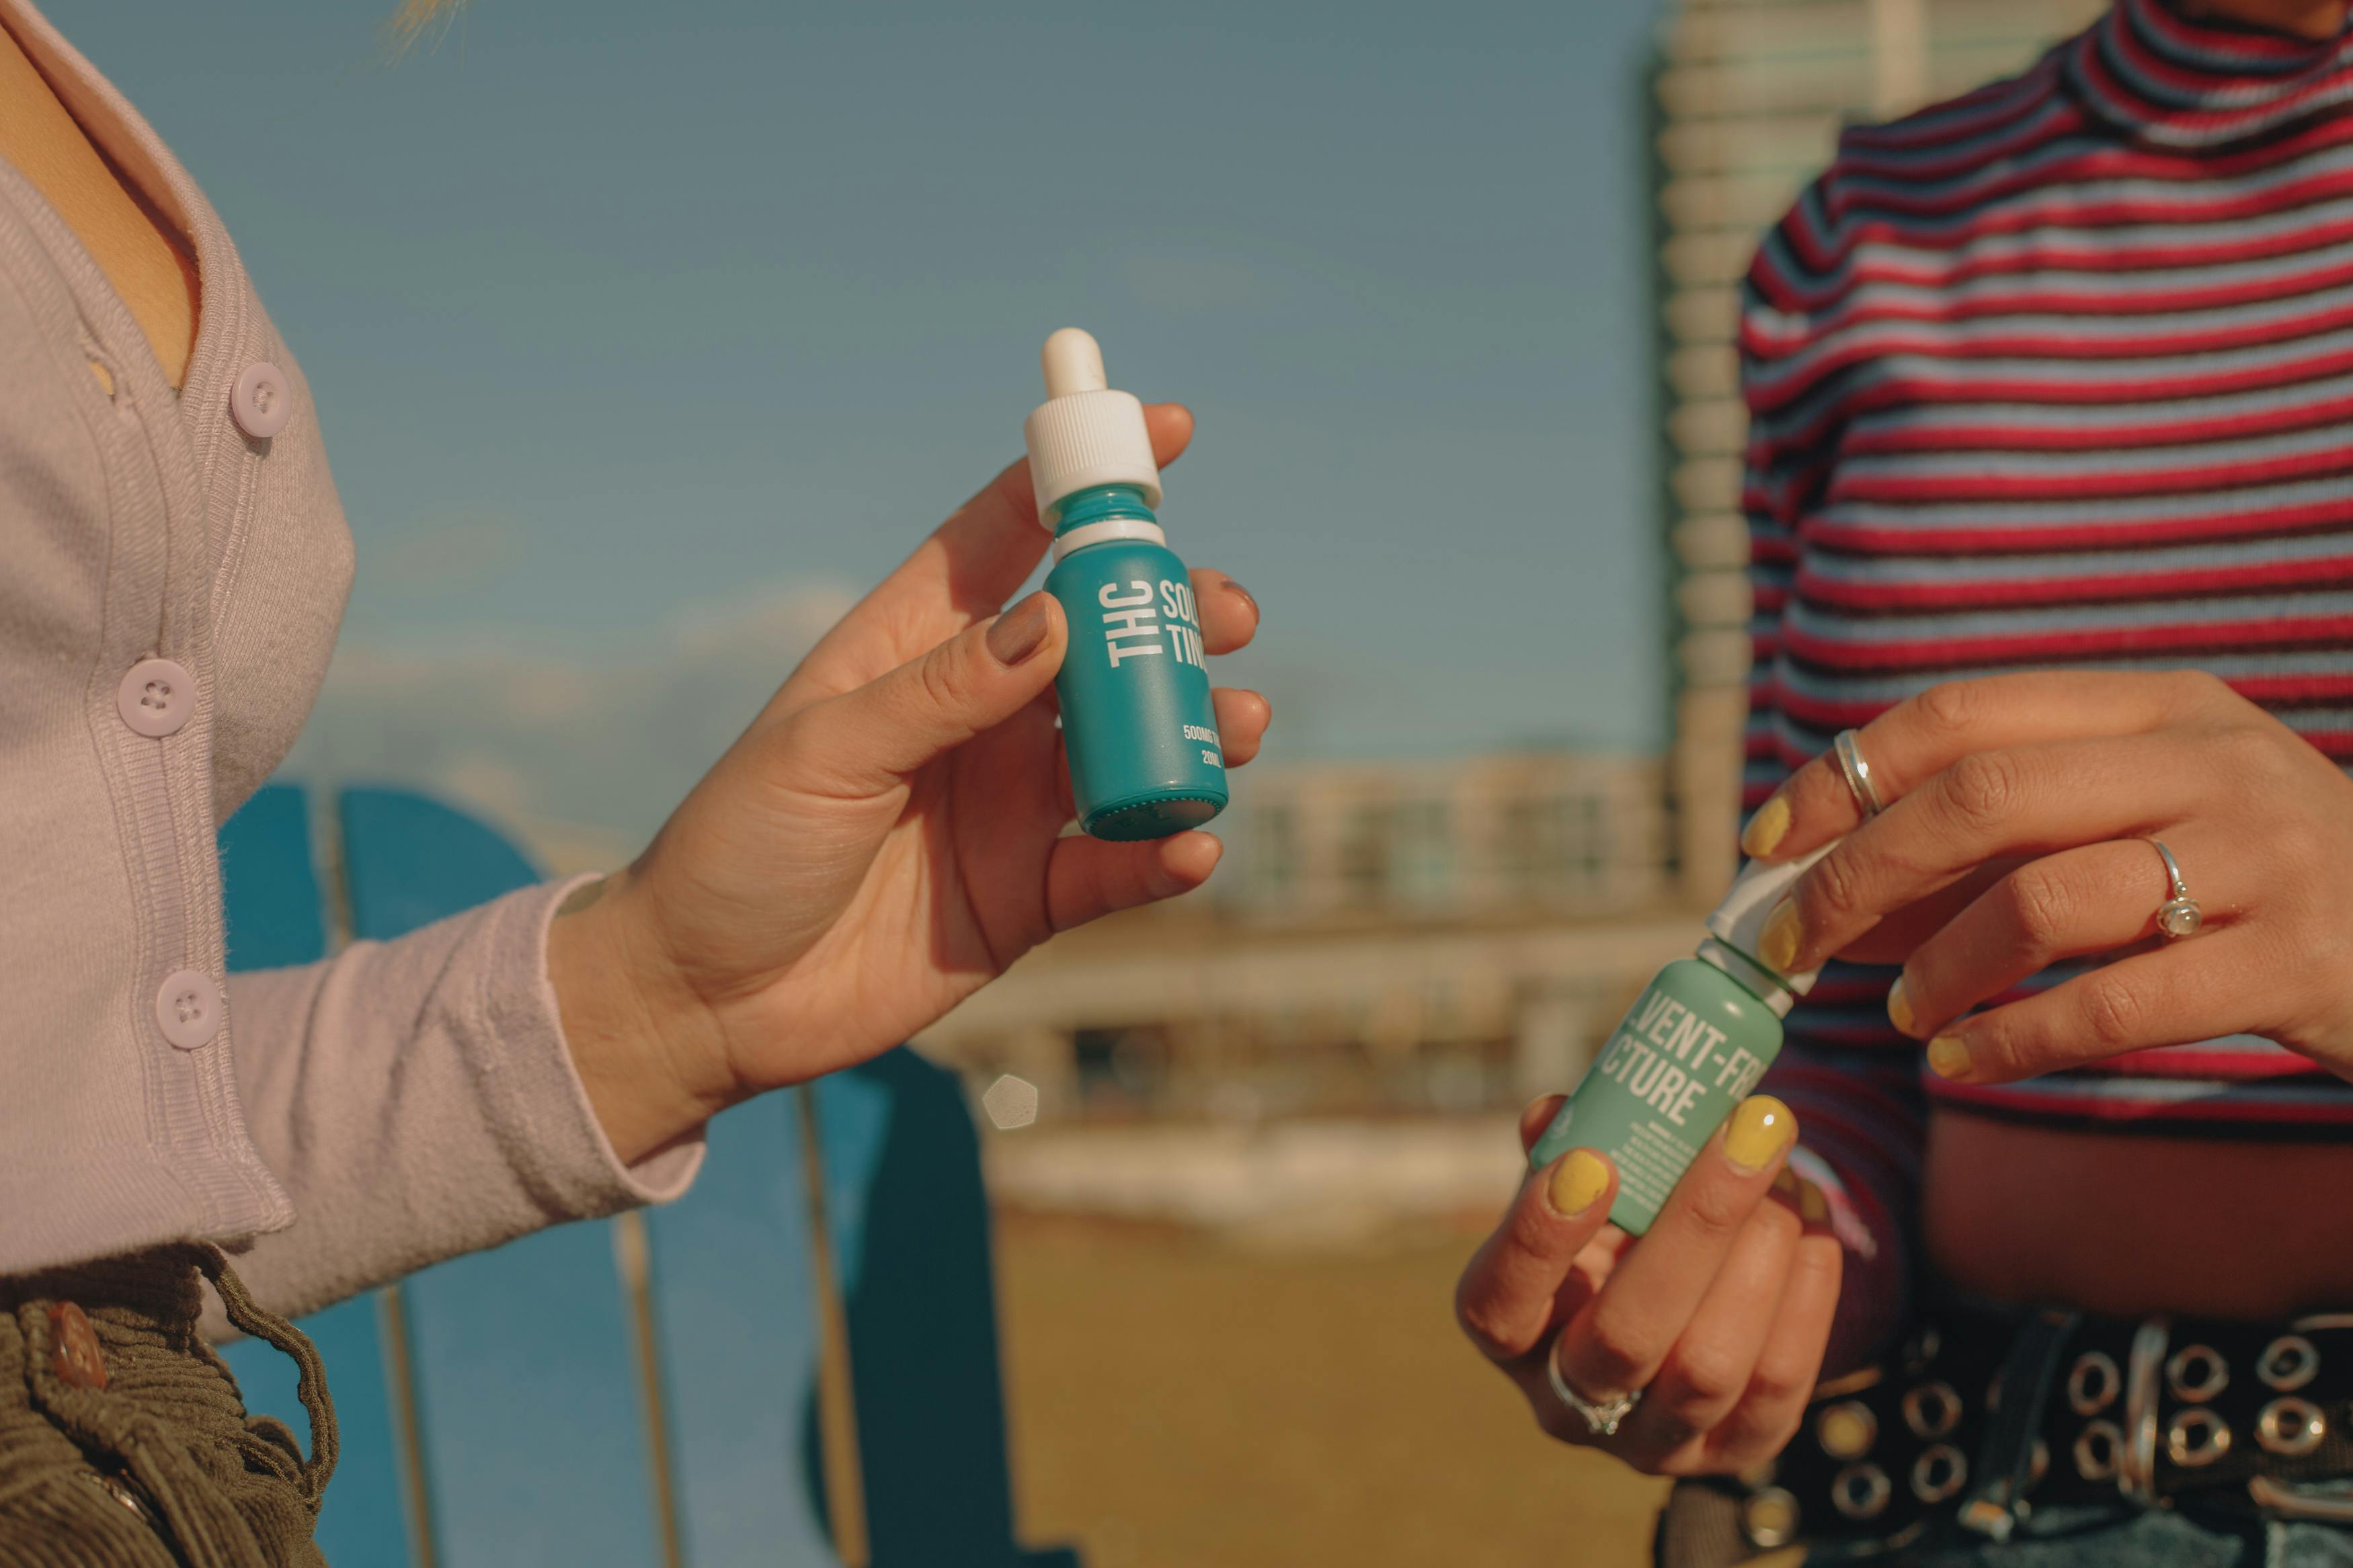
2058 374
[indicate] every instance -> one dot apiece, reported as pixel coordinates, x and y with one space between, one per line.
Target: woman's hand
1719 1314
2018 811
879 844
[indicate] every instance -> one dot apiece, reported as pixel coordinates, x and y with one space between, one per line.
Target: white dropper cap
1738 925
1085 434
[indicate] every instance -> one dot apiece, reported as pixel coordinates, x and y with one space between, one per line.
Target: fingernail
1784 934
1019 631
1812 1207
1786 1184
1758 1131
1577 1181
1243 594
1766 829
1948 1058
1899 1006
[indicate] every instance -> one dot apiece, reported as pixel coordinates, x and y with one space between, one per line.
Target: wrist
647 1049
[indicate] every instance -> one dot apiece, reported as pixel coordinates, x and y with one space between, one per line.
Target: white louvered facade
1751 95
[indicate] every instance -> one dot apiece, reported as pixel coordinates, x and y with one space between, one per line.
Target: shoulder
1924 183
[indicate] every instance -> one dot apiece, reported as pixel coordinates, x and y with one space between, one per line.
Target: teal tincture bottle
1692 1047
1138 719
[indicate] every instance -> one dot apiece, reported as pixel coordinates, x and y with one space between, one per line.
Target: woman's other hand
2018 812
883 841
1719 1315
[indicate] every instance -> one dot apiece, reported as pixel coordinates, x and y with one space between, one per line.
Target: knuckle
1984 789
2114 1012
2192 688
1715 1210
2040 907
1617 1354
1706 1379
938 681
1484 1322
1836 887
1777 1384
1949 707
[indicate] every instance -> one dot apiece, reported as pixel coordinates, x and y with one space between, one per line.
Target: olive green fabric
209 1486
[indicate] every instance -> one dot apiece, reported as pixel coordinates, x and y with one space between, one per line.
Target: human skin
882 840
2122 1226
2015 836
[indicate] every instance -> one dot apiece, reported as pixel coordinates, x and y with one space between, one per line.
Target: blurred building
1457 935
1385 936
1545 833
1750 95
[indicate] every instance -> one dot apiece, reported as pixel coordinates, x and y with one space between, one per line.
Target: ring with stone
2180 915
1601 1419
1857 774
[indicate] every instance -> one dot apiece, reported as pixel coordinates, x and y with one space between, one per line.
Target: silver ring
2180 915
1857 774
1600 1418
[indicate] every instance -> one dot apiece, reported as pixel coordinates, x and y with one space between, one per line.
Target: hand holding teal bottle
1138 721
1692 1047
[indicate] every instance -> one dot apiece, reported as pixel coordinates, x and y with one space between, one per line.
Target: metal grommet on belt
1861 1491
2093 1382
1846 1430
1939 1473
1769 1519
2099 1450
2290 1427
2287 1364
1932 1409
2196 1438
2196 1374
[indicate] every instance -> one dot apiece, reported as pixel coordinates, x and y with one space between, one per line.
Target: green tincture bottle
1691 1048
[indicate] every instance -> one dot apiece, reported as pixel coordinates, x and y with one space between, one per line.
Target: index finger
1923 736
963 571
1505 1299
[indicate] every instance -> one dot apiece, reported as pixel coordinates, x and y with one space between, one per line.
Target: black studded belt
1987 1413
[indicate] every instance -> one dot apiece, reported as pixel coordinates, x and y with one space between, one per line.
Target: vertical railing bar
845 1485
408 1431
633 1256
333 860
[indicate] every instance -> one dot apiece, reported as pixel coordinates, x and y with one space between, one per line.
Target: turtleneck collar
2195 85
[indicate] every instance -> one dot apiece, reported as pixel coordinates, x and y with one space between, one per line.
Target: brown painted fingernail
1021 631
1243 594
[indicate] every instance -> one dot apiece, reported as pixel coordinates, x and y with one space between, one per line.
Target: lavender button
156 696
262 400
188 1009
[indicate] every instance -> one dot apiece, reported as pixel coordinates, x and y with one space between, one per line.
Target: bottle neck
1748 974
1100 514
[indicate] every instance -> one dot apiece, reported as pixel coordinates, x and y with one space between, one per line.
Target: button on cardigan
173 569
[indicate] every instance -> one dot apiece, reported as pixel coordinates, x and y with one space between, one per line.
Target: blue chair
647 1390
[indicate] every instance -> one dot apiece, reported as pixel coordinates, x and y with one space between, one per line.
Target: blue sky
644 332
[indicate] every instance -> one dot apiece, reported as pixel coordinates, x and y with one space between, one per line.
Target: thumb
869 739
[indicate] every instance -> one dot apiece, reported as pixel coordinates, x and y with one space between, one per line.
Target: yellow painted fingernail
1784 934
1899 1006
1766 829
1812 1207
1948 1058
1759 1128
1576 1181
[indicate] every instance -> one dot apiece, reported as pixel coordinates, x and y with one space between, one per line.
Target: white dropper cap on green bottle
1085 434
1736 930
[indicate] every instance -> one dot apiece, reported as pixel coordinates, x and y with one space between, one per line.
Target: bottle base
1152 815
